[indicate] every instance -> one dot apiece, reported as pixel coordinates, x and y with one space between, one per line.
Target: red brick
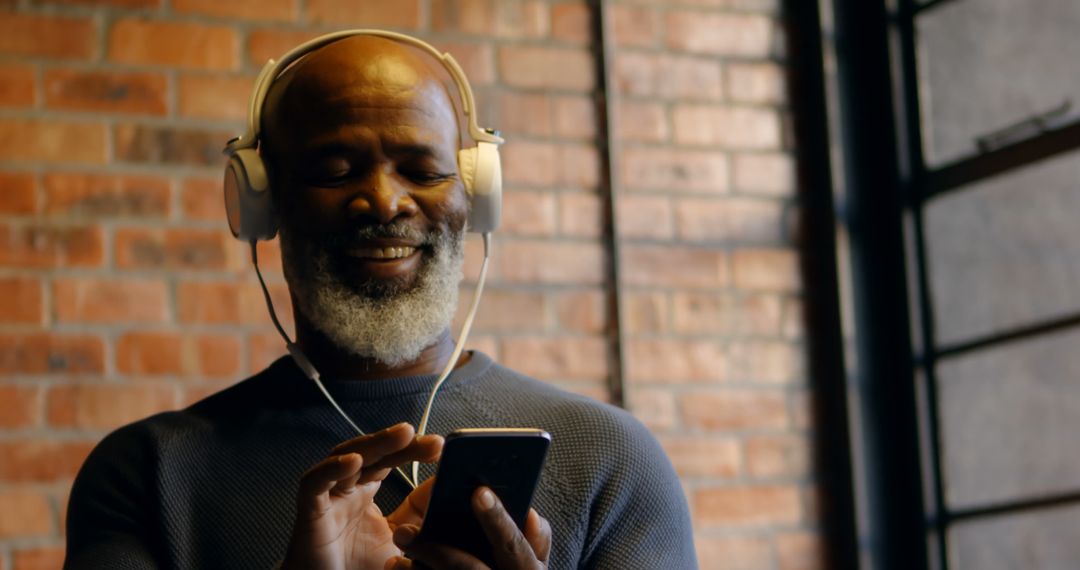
792 324
641 122
398 14
17 193
550 262
528 213
45 245
218 355
48 36
19 407
541 164
106 406
766 362
575 117
518 19
503 311
108 91
263 349
768 174
203 199
50 141
213 302
547 67
115 3
686 78
524 114
756 83
183 146
701 456
284 10
39 353
581 311
96 300
41 460
764 506
644 217
654 407
40 558
636 26
20 300
800 551
744 35
170 249
675 170
729 220
674 266
645 312
560 358
766 269
571 22
214 96
477 60
26 514
149 353
581 215
675 361
180 44
757 314
17 85
776 456
193 393
735 552
735 409
106 195
272 44
727 127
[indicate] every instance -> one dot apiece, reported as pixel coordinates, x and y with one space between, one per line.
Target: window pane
1006 252
1009 421
1035 540
987 64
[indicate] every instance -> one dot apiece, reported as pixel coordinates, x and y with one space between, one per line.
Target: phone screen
507 460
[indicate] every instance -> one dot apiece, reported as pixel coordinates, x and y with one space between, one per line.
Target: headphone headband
273 68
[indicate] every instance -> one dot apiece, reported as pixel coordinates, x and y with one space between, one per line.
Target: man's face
372 205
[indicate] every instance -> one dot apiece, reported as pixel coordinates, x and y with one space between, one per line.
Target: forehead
387 92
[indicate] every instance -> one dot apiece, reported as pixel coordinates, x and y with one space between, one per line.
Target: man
361 139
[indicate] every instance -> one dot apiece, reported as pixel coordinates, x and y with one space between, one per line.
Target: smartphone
507 460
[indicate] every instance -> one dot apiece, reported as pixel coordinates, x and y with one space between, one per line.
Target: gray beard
389 321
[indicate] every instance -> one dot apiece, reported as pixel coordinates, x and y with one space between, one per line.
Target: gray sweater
213 486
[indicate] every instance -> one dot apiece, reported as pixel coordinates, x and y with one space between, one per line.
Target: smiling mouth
382 253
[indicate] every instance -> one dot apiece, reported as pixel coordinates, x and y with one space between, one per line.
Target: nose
381 199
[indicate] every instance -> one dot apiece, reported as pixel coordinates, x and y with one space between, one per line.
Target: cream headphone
251 214
247 197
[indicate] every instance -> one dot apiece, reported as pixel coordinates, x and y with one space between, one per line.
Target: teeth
385 252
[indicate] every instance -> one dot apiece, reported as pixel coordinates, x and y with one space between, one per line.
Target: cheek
449 207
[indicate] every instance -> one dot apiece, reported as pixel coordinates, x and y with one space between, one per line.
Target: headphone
248 202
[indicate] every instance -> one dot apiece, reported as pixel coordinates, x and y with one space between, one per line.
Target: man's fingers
375 446
425 554
413 508
424 449
508 544
324 476
538 533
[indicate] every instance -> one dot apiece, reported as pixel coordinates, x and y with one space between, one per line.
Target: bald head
333 84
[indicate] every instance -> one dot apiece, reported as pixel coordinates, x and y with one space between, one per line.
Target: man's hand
511 548
337 523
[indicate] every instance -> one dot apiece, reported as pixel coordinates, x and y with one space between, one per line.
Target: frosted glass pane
1035 540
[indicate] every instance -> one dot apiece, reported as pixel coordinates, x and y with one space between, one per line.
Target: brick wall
121 293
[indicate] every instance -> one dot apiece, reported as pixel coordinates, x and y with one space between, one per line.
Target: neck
336 363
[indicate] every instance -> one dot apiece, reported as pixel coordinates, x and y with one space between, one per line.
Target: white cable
310 371
466 326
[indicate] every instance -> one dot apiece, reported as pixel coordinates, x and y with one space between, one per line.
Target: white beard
387 321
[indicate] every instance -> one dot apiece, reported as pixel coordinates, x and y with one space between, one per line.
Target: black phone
507 460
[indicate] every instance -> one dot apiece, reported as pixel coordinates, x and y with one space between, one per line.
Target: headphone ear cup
481 172
248 204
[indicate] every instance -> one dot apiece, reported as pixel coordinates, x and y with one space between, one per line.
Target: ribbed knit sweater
213 485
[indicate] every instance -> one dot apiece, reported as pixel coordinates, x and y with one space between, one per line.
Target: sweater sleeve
639 518
110 522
